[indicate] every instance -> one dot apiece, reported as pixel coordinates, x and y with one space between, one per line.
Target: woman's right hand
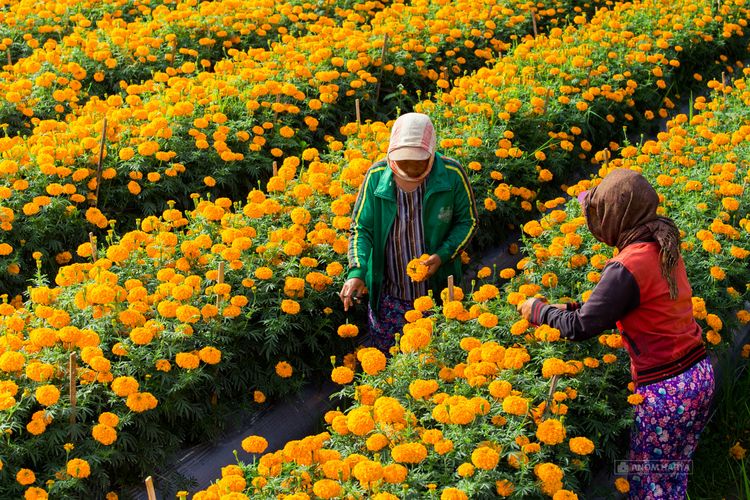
351 291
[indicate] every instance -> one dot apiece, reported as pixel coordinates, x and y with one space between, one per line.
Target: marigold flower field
176 181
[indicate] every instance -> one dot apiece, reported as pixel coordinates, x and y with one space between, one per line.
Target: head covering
622 210
412 138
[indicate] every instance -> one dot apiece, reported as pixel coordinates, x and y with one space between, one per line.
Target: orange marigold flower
485 458
78 468
283 369
581 445
416 270
551 432
254 444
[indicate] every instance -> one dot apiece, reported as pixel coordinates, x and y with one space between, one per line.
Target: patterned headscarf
622 210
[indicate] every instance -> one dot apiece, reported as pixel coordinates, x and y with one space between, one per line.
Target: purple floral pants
668 424
387 322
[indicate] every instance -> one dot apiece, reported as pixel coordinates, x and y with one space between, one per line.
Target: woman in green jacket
414 202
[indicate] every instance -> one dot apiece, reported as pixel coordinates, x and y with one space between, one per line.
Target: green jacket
449 218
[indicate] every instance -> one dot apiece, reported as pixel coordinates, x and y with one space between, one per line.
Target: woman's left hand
433 262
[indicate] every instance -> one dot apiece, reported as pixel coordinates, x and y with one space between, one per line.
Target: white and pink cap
412 138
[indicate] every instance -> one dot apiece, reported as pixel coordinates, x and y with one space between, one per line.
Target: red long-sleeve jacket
661 335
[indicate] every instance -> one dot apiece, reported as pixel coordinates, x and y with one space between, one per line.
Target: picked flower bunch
417 269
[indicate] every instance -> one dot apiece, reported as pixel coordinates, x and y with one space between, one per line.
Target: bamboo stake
276 113
552 387
382 63
533 21
92 241
72 372
356 109
275 169
150 488
101 159
220 280
450 288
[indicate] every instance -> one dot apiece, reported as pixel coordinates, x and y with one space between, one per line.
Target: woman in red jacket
645 293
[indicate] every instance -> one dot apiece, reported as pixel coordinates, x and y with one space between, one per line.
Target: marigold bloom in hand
416 270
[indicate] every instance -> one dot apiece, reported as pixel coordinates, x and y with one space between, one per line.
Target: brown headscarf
622 210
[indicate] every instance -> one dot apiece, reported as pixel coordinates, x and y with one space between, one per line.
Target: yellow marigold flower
283 369
485 458
581 445
377 442
453 494
359 421
564 495
609 358
78 468
416 270
465 470
47 395
388 410
422 389
515 405
254 444
424 303
553 366
263 273
327 488
519 327
411 453
290 306
210 355
373 361
488 320
141 401
367 472
444 446
124 386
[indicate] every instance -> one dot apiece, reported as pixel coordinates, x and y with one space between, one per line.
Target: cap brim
582 196
409 153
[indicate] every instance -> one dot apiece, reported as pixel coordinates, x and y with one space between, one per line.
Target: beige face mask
406 183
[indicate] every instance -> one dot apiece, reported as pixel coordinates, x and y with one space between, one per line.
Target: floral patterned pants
387 322
668 424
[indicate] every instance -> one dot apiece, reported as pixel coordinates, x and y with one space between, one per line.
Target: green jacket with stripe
449 218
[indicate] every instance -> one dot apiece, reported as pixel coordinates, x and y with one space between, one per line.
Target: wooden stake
552 387
356 109
150 488
275 169
72 373
533 21
219 280
450 288
382 63
606 159
101 159
546 100
10 60
92 241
